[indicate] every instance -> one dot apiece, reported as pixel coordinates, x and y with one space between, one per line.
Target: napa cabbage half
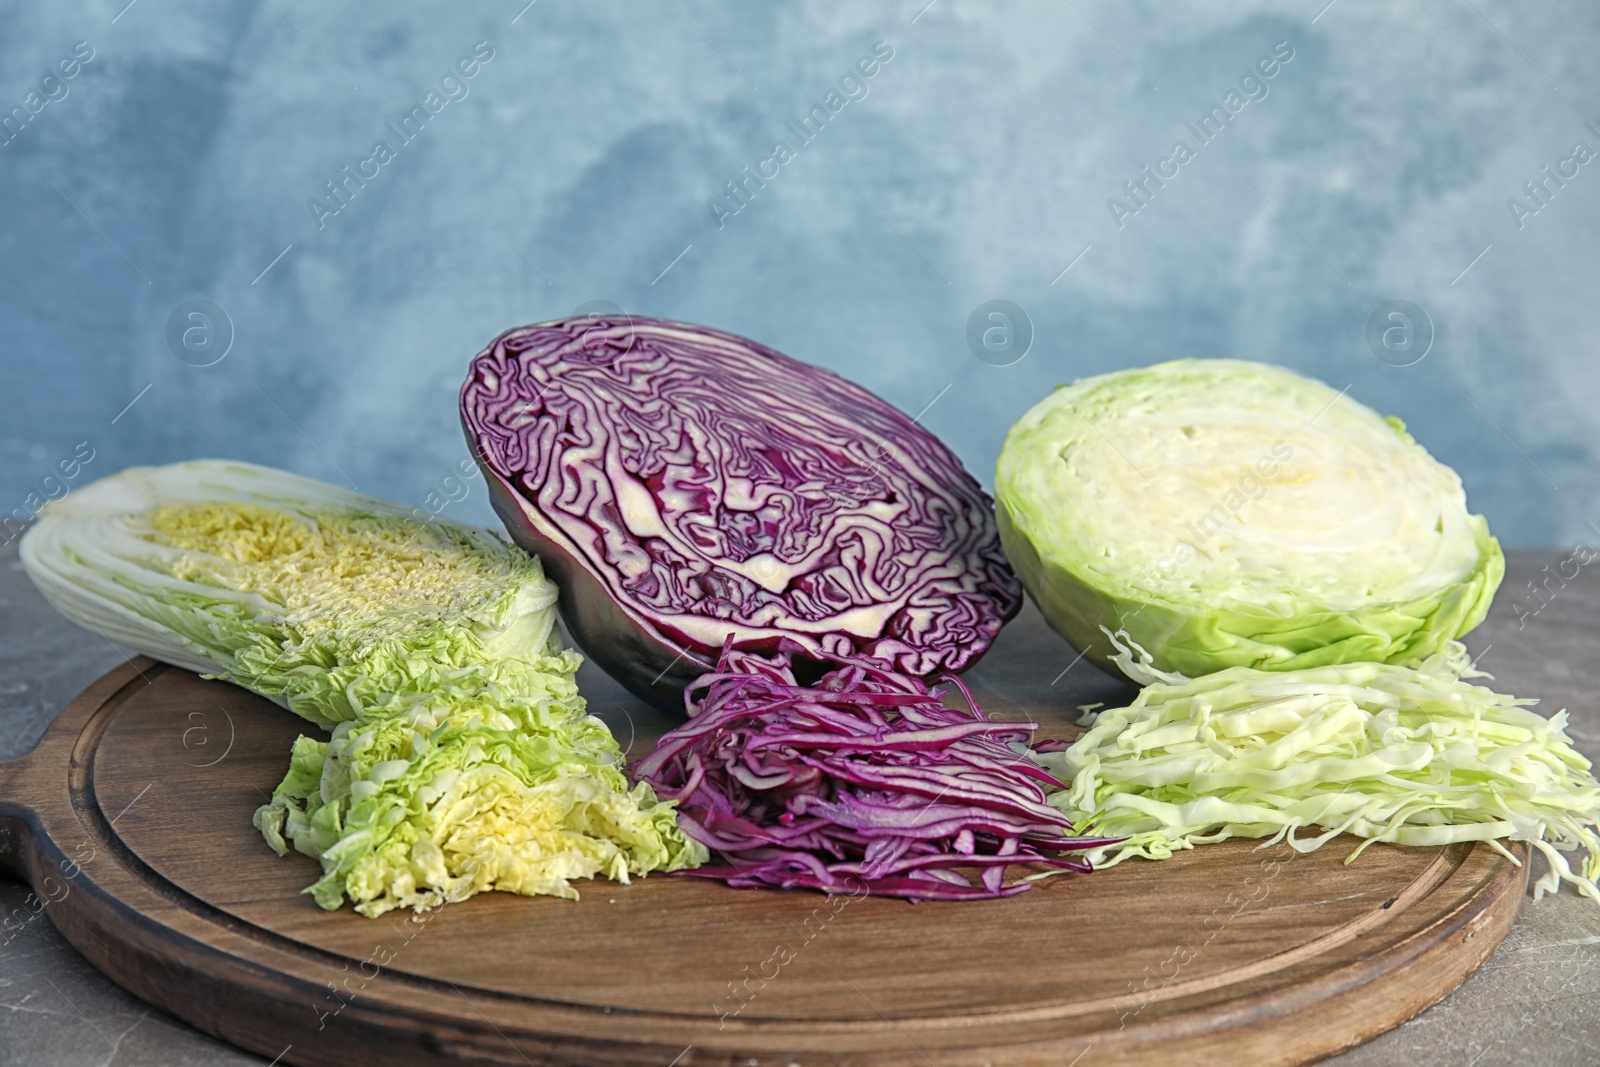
461 757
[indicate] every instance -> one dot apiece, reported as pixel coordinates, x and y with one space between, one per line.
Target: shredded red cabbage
864 778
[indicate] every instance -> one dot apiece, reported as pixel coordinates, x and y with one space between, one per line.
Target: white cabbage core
1241 483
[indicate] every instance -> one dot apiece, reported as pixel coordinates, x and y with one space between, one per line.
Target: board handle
13 828
28 782
17 782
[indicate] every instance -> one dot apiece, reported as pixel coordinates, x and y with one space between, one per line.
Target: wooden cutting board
132 822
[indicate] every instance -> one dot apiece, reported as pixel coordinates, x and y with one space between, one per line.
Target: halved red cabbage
864 782
687 488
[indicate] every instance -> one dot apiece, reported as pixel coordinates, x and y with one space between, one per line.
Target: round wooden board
132 822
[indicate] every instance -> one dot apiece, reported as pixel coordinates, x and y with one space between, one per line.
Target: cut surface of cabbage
1233 513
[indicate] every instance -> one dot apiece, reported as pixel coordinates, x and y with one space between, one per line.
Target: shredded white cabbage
1413 756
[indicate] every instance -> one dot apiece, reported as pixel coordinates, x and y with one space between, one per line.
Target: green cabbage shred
1413 756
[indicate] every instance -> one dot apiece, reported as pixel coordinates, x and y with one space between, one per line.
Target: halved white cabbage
1228 513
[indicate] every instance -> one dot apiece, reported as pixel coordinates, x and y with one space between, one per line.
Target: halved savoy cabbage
1227 513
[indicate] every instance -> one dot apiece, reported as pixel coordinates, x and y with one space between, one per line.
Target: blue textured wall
583 161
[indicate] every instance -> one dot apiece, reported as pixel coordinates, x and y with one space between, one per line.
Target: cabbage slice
461 759
1414 756
1228 513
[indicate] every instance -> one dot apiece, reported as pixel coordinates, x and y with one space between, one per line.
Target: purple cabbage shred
865 778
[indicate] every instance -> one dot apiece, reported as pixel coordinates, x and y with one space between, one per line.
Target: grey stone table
1533 1003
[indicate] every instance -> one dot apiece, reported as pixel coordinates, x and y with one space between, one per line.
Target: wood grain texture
132 821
